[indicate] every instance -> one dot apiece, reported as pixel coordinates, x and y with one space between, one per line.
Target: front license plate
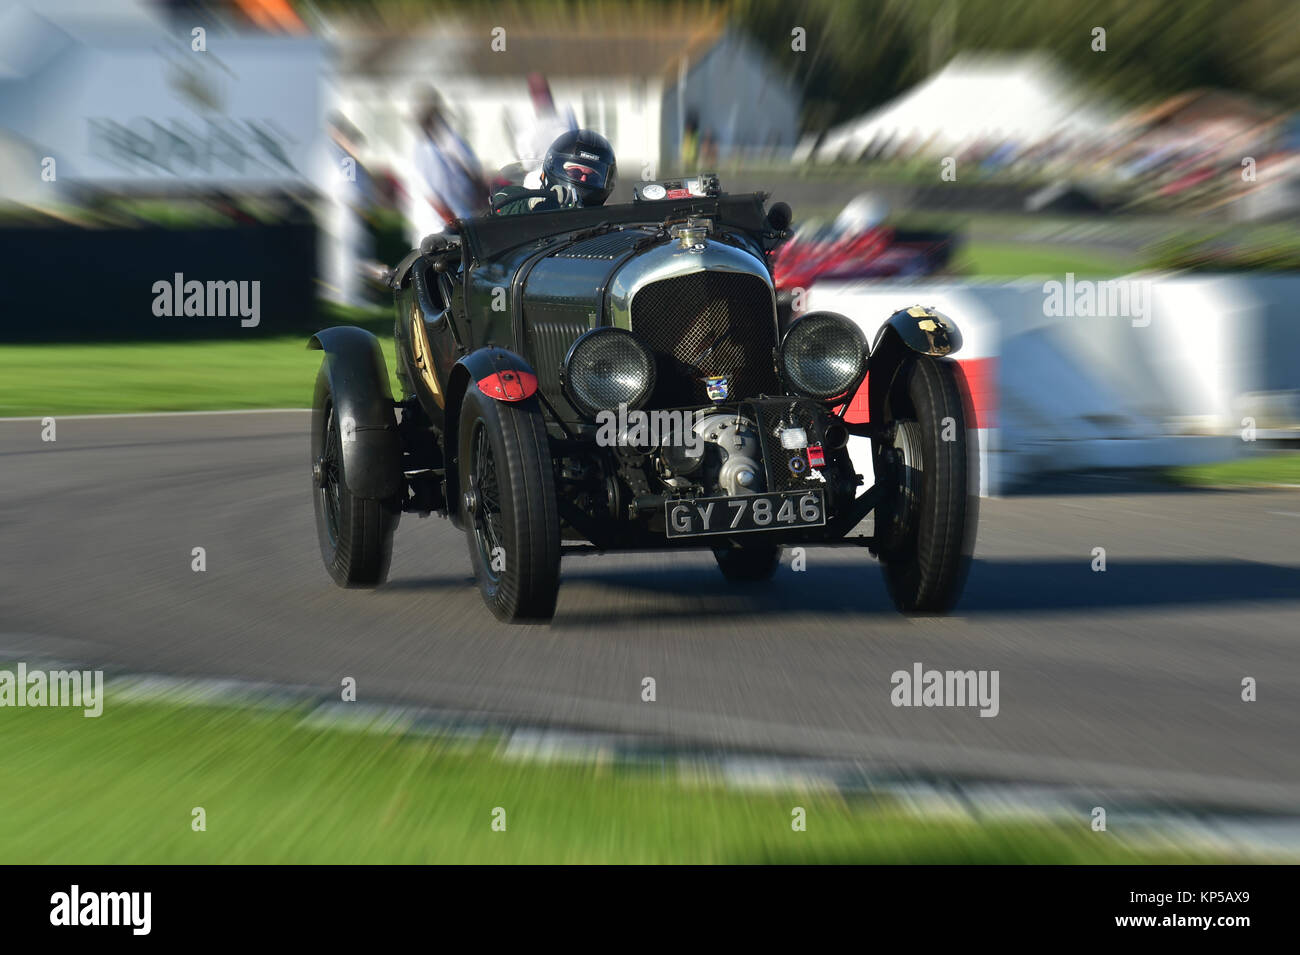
779 510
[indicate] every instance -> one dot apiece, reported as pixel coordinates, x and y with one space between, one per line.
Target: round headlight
823 355
608 367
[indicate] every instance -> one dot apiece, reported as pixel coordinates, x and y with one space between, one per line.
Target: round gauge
654 191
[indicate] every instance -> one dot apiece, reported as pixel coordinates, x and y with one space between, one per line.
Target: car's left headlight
824 355
607 367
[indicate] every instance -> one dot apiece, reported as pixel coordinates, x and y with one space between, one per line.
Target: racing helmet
584 160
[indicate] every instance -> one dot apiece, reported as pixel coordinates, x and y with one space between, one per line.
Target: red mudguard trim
509 385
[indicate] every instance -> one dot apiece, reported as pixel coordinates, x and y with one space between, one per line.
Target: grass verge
122 788
1264 469
203 375
1013 260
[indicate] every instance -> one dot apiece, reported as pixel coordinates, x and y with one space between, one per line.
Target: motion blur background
974 155
308 145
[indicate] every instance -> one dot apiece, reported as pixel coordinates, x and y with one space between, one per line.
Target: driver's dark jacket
511 200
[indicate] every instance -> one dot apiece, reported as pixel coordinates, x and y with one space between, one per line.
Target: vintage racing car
596 379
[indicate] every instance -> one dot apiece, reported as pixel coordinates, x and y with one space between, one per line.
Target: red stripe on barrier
981 380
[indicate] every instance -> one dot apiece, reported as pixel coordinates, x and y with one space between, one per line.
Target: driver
579 170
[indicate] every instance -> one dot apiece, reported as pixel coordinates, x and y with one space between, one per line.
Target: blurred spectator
691 143
708 152
345 240
452 178
533 134
386 219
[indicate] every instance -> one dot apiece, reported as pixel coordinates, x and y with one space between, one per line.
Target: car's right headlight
824 355
608 367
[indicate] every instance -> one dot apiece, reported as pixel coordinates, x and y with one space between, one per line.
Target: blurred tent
1023 99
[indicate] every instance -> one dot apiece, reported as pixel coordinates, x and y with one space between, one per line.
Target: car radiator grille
548 340
708 324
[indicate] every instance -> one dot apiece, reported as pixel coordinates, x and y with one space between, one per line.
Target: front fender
919 329
923 329
497 372
355 374
500 374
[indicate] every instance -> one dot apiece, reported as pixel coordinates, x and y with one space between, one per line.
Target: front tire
925 526
509 508
355 533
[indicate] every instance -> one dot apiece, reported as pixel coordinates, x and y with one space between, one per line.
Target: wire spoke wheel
904 470
486 516
508 505
329 490
355 533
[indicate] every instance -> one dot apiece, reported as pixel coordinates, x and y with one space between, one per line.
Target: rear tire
925 526
355 533
748 564
508 506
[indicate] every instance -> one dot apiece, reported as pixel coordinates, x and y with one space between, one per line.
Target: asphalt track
1122 682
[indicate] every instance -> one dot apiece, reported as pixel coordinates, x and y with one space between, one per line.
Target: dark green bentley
618 378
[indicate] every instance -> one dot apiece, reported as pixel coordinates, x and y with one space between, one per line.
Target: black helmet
584 160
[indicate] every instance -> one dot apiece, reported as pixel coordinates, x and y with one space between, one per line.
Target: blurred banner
148 109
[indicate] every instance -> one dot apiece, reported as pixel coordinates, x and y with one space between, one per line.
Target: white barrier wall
870 304
1159 384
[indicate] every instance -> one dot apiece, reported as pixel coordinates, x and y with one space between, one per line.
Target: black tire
925 525
508 502
755 562
356 533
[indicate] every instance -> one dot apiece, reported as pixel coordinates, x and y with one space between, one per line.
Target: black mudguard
919 329
488 365
923 329
356 375
519 379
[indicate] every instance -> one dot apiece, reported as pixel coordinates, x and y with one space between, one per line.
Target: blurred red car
857 245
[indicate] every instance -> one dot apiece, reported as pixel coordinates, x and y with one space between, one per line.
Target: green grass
1279 468
210 375
121 789
1014 260
156 376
